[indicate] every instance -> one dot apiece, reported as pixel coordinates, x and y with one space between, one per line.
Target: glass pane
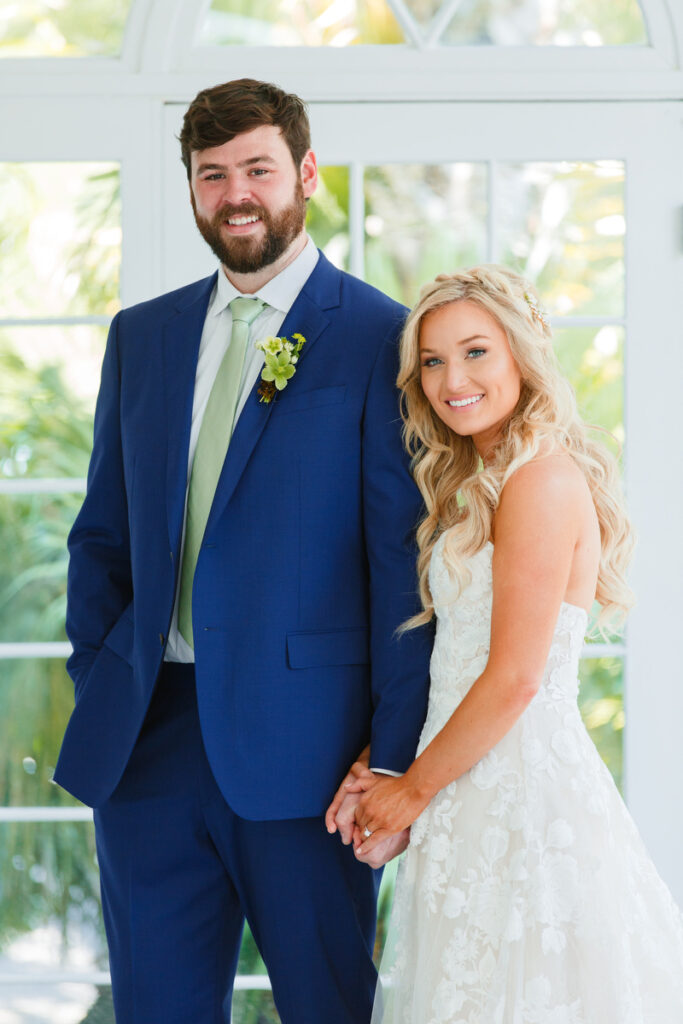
593 359
50 910
33 532
60 239
67 1002
327 219
553 22
293 23
421 220
384 902
68 28
601 698
562 224
36 699
49 378
253 1006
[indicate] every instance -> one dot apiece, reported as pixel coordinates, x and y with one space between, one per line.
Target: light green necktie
212 445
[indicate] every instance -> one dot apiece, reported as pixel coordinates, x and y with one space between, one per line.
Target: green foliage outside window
62 28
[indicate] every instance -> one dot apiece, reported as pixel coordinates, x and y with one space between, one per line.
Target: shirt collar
280 292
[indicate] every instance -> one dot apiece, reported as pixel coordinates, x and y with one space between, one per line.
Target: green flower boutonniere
282 355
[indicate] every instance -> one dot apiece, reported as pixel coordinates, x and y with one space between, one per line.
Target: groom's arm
99 580
392 510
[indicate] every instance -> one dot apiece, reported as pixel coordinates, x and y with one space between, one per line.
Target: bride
526 895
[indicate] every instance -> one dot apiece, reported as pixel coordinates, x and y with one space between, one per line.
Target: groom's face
249 198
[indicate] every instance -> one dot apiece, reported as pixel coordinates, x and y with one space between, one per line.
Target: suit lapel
308 317
180 348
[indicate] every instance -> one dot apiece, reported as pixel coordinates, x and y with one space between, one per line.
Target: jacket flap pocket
338 647
119 639
333 395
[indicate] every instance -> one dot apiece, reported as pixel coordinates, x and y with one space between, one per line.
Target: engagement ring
366 833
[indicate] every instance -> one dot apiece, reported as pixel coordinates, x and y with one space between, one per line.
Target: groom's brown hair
218 114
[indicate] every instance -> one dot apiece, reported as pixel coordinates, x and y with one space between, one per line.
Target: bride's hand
387 807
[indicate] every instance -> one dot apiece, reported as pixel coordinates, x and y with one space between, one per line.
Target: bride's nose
456 375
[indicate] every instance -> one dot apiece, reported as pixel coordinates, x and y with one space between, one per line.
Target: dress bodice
463 631
463 639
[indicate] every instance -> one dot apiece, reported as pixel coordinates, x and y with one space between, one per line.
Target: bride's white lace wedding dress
526 895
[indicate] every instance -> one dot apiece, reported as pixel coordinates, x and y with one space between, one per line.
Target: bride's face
468 372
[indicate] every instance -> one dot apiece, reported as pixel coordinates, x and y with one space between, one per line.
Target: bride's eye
430 361
474 353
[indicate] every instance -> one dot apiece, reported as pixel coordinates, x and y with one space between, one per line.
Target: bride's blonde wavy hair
456 488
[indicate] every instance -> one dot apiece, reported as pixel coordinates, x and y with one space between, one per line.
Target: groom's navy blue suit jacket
306 570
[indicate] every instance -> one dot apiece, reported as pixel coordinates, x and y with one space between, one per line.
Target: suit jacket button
161 639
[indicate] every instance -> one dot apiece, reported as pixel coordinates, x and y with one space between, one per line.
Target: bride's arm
537 525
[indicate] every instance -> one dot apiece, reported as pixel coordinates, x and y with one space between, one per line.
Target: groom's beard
244 254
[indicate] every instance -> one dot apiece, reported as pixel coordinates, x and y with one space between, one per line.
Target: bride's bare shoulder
550 487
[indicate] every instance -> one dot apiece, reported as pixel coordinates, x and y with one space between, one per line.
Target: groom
238 569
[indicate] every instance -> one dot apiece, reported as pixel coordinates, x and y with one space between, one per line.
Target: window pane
69 28
601 698
66 1002
553 22
33 532
562 224
36 699
49 378
422 220
593 359
253 1006
60 239
50 911
293 23
327 219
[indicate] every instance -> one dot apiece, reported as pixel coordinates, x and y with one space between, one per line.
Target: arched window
543 134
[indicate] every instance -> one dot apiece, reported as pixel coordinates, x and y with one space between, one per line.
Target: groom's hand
384 851
341 814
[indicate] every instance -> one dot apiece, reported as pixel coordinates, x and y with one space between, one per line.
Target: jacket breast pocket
334 395
337 647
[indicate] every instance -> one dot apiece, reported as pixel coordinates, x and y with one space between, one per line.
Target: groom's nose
236 190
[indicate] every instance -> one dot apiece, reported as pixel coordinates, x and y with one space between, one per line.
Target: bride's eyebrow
473 337
463 341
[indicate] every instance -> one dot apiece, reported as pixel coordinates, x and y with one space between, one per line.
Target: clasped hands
384 805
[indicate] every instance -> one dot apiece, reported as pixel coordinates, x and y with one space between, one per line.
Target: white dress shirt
279 294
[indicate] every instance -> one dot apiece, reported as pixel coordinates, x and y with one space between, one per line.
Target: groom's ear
309 174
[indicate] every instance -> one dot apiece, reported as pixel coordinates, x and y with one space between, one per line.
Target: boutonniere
282 355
